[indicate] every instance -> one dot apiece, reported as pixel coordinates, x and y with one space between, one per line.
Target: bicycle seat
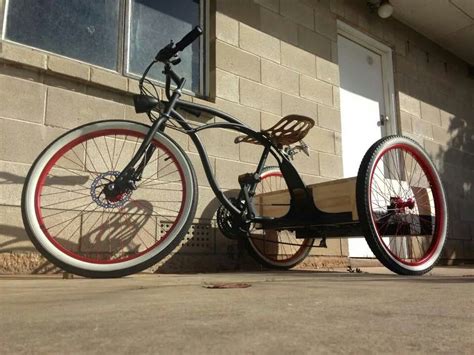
290 129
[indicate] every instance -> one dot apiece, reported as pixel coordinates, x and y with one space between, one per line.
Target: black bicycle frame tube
192 132
302 210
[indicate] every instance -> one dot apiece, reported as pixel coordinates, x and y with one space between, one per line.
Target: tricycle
112 198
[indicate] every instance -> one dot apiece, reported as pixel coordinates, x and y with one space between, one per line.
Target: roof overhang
450 23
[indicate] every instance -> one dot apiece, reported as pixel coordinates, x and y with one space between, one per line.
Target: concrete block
316 90
14 135
338 143
23 55
409 104
298 12
434 150
247 11
65 83
441 135
296 105
109 79
336 97
227 86
12 178
259 43
219 143
260 97
298 59
422 128
327 71
70 109
406 122
278 26
22 99
322 140
430 113
250 153
21 72
13 237
244 114
330 165
314 43
227 29
268 120
236 61
273 5
199 169
325 22
329 118
337 7
307 165
279 77
132 86
68 67
207 204
227 172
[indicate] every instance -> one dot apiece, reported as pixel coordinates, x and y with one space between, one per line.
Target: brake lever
165 52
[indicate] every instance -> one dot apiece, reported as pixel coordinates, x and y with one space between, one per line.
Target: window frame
123 50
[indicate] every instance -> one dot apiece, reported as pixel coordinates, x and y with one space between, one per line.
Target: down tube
206 165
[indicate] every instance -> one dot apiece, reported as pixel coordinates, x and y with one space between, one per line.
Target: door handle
382 120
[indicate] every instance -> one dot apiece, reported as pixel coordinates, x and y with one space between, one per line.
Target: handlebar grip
189 38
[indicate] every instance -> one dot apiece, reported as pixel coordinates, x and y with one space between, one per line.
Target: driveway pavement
280 313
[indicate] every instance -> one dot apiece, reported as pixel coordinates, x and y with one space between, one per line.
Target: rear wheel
272 248
77 227
402 206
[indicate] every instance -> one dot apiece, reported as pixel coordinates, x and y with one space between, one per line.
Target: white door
362 104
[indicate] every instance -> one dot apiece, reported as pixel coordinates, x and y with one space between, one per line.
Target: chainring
230 226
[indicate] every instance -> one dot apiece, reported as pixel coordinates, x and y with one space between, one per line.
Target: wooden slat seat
290 129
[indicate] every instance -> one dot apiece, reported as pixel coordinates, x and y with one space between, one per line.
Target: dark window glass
153 25
82 29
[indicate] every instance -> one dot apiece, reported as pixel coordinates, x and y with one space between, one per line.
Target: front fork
130 175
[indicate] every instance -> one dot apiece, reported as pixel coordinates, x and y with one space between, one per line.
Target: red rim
302 247
438 205
44 174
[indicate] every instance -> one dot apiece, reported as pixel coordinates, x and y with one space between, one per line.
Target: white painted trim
385 53
3 18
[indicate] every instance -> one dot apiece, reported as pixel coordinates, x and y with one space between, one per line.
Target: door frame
386 54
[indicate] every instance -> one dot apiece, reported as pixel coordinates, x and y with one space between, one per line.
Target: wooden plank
336 196
330 196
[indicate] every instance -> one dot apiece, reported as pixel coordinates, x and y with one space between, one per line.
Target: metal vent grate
198 239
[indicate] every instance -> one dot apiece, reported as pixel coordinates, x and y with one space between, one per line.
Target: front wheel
402 206
78 228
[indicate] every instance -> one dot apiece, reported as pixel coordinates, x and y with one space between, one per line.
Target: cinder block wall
269 58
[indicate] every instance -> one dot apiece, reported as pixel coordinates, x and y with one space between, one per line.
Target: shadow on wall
20 254
457 173
226 254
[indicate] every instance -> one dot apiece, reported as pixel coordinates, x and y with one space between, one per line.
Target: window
175 19
119 35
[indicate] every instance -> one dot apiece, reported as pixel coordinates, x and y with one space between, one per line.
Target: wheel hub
399 204
107 199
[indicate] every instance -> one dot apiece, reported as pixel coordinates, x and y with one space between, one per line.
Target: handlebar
170 50
189 38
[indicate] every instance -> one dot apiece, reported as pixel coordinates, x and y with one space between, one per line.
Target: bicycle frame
303 215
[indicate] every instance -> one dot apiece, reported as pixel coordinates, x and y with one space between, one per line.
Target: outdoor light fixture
383 7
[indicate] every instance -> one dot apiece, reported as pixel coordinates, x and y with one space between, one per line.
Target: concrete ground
281 312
